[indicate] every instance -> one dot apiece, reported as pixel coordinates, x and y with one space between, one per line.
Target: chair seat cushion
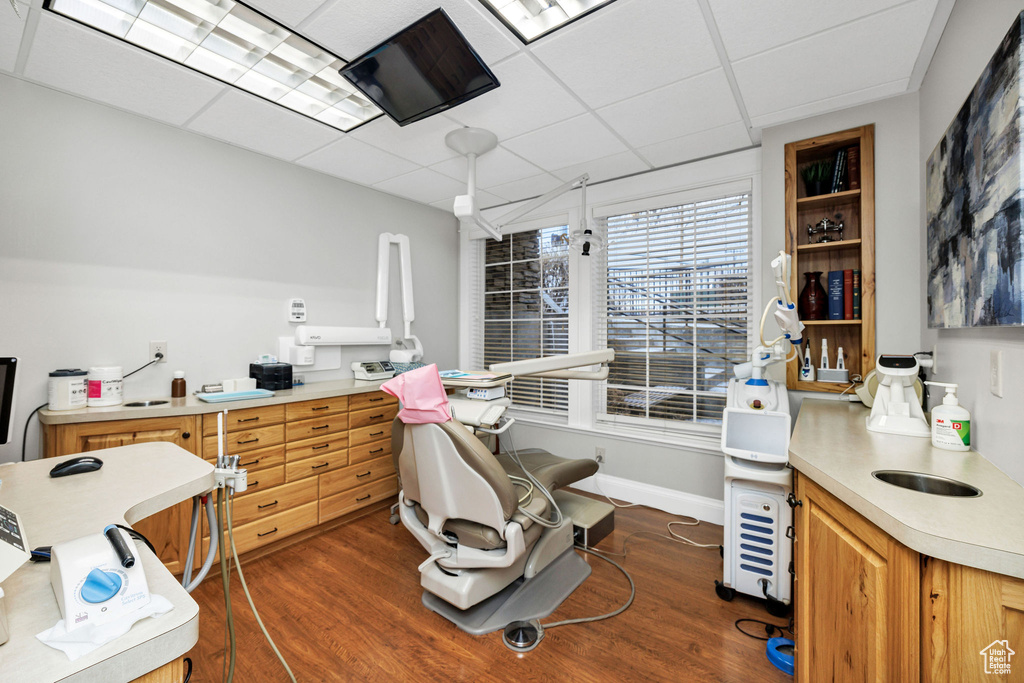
550 470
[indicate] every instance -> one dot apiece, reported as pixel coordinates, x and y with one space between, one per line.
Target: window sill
690 442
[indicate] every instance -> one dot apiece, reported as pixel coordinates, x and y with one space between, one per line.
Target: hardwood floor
345 606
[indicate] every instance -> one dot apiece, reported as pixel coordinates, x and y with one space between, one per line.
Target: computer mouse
83 463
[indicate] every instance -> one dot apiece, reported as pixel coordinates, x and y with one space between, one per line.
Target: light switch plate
996 372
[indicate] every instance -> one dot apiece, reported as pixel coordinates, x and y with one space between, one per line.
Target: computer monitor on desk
8 371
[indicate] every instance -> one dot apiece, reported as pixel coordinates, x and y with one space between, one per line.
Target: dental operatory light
531 19
585 239
234 44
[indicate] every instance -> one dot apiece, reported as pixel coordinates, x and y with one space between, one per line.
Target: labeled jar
68 389
105 386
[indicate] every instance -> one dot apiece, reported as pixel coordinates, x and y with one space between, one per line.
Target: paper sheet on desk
84 640
423 397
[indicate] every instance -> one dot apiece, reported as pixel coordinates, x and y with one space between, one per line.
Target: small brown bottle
178 384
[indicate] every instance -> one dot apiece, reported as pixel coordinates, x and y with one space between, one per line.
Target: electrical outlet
599 454
156 347
995 380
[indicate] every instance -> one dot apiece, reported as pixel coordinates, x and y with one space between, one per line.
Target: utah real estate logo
997 657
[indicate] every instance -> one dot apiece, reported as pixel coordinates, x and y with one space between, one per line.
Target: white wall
117 230
968 42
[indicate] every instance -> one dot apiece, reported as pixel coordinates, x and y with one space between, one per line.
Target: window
673 301
526 309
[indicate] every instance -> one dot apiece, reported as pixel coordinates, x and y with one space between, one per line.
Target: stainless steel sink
927 483
144 404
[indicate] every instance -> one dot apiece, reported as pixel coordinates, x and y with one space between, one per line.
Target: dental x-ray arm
414 352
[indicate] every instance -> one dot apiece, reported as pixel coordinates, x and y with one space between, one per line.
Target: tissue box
272 376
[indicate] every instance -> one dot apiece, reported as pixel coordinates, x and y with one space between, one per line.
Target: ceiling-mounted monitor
421 70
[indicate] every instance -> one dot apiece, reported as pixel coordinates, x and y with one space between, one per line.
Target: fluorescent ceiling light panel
234 44
531 19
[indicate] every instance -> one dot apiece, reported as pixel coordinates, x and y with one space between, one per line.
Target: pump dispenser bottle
951 422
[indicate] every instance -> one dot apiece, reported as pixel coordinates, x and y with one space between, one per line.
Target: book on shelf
853 167
835 295
848 294
838 170
856 295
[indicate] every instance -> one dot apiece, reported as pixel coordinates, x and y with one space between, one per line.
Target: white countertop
832 446
134 482
190 405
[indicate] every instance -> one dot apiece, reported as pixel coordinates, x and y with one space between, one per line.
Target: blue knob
100 586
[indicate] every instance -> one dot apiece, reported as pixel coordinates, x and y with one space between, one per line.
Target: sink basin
927 483
144 404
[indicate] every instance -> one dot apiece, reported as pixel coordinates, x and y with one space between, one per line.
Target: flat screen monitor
8 370
422 70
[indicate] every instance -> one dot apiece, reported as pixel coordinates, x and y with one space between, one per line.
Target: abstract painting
974 202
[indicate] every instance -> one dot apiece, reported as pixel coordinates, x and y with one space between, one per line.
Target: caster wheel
777 608
724 592
394 519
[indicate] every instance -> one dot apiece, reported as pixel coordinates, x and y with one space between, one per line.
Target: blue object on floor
780 653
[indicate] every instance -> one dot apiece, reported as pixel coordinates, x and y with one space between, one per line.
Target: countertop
134 482
190 405
832 446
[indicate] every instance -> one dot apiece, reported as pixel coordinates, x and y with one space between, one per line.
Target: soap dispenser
951 422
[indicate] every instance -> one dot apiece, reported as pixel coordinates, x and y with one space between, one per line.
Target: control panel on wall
296 311
373 370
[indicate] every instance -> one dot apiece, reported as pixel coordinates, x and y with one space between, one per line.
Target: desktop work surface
134 482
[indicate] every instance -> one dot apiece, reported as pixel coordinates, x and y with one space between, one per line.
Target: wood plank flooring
345 606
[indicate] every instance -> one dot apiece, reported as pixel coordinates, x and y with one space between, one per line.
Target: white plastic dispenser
951 422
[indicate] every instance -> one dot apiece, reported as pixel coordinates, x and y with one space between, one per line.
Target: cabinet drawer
261 532
369 451
318 426
318 465
247 418
371 416
355 475
379 432
311 448
263 504
246 440
263 480
371 399
257 460
305 409
367 494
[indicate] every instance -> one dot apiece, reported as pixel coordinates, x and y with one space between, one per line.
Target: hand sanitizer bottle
951 422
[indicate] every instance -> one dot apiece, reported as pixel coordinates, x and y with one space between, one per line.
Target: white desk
134 482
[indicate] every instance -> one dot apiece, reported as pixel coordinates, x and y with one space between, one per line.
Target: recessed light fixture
234 44
531 19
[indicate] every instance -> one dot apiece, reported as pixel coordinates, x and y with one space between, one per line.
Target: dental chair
491 562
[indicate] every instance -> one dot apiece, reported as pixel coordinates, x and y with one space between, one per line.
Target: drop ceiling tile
496 167
289 12
421 142
11 29
696 104
629 47
350 28
858 56
484 200
829 104
253 123
715 141
423 185
357 161
527 99
80 60
525 188
567 143
748 28
602 169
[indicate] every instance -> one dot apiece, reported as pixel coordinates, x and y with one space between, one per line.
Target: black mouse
83 463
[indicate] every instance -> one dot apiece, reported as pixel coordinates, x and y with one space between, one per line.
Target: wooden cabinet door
167 530
857 595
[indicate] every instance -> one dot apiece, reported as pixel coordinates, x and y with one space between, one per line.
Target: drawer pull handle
323 464
248 419
374 400
316 448
251 462
321 427
272 531
377 434
322 408
364 474
378 450
268 505
376 417
249 441
253 483
363 498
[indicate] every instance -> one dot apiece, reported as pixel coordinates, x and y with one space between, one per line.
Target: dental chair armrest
501 430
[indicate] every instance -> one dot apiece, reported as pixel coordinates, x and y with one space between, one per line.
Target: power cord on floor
609 615
671 534
769 628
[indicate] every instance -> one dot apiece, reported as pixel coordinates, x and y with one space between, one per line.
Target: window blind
673 300
526 309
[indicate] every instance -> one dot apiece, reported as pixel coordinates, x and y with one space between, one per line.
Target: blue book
835 295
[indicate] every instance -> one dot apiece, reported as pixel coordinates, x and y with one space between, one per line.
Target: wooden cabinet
855 251
166 530
857 605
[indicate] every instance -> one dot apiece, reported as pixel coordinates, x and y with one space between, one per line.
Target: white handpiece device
824 355
373 370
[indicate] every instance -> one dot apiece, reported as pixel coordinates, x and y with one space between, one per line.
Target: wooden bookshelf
856 208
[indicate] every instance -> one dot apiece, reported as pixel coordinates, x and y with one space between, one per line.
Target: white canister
105 386
68 389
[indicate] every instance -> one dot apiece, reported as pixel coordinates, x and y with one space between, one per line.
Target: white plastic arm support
384 243
535 366
504 428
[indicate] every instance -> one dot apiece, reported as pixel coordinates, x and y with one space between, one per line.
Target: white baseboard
672 501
